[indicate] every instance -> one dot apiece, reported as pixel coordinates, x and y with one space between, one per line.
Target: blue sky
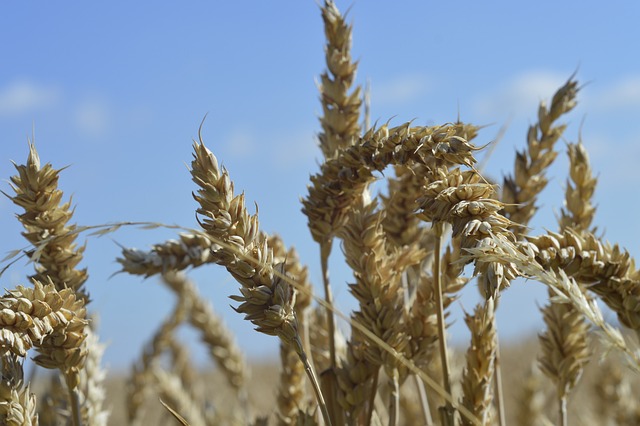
117 91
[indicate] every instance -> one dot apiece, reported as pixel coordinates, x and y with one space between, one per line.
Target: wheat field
417 219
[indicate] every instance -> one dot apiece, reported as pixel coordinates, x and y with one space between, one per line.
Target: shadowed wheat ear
565 349
377 271
464 200
477 379
291 398
339 128
17 403
341 109
578 211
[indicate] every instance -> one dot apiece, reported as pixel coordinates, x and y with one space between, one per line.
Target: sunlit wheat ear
190 250
267 299
609 270
342 180
462 199
566 290
520 191
53 321
45 219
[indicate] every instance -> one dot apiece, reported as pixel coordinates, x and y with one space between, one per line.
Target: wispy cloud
240 143
518 96
400 89
23 96
92 116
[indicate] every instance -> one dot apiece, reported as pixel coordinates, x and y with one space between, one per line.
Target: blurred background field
117 92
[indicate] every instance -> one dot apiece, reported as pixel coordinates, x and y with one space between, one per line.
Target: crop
408 246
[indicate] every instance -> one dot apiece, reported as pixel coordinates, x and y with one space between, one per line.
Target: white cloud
22 96
92 116
240 143
521 95
400 89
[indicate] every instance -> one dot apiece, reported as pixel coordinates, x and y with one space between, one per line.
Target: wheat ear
341 109
213 332
142 374
377 288
531 400
477 379
609 270
267 299
291 388
339 123
520 191
565 343
565 350
578 211
17 403
46 225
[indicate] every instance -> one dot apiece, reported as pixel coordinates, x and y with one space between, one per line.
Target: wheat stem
424 401
448 410
562 411
372 397
394 398
499 394
74 401
297 343
325 251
